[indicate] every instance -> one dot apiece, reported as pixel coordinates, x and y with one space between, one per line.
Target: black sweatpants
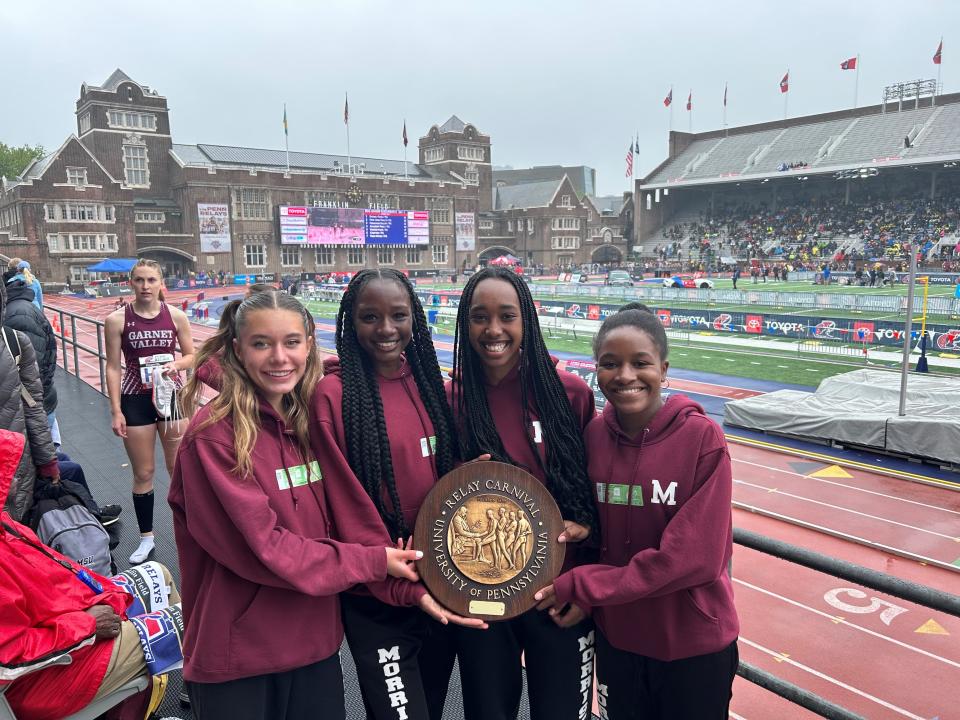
631 686
403 658
307 693
558 661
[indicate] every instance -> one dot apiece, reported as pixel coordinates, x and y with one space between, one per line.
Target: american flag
630 160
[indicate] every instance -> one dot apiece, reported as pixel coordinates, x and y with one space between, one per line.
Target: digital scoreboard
353 226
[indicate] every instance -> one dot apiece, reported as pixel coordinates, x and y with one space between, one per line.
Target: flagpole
724 105
346 121
671 108
786 95
939 67
690 112
856 82
286 137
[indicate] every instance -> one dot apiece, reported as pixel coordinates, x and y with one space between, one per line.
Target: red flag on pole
346 110
690 101
938 55
785 83
630 160
404 133
850 64
668 99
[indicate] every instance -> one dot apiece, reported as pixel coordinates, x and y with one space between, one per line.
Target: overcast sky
551 81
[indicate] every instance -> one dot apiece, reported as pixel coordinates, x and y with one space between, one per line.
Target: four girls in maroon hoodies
260 572
511 402
661 594
381 412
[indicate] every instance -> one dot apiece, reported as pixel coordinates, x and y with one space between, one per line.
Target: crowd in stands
869 229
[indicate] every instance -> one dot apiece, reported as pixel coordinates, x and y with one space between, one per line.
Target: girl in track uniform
662 595
381 406
260 572
510 401
146 333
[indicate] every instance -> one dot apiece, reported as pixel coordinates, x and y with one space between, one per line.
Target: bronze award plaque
488 532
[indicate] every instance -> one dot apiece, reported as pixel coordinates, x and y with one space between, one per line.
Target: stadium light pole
908 330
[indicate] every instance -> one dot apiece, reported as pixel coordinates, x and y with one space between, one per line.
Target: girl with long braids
511 402
260 572
382 404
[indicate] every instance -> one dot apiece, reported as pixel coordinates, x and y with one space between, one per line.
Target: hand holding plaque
488 532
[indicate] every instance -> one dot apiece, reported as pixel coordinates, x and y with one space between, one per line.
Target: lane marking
843 461
932 627
851 511
846 623
845 536
834 471
835 681
848 487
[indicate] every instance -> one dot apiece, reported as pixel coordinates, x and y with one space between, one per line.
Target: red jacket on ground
661 588
42 616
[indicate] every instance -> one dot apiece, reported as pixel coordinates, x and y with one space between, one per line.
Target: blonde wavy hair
153 265
238 393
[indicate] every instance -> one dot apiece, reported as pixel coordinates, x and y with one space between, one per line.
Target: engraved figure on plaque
490 539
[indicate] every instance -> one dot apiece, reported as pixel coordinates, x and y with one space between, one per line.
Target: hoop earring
665 382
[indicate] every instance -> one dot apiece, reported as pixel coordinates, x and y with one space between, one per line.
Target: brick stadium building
121 187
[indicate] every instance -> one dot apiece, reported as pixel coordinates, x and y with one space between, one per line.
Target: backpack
63 522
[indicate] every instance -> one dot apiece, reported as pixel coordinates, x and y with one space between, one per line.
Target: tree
14 160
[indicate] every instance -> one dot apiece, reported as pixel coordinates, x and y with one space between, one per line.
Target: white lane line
847 623
848 487
848 510
844 536
838 683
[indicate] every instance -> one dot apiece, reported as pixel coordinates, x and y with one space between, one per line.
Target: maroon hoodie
409 429
661 589
260 574
506 410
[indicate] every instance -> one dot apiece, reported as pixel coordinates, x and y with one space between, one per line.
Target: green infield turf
779 362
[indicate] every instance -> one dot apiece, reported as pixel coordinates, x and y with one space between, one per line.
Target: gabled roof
253 158
36 169
454 124
117 77
525 195
607 203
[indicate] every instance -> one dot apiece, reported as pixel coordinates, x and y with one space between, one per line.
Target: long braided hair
365 429
566 463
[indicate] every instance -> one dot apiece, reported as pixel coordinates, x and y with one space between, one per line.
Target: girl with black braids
382 404
510 401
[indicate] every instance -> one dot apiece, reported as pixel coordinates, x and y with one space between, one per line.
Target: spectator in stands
146 333
21 271
51 606
21 411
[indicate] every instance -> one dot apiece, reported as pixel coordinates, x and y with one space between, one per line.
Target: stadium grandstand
845 187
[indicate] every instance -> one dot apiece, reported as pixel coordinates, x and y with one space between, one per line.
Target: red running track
873 654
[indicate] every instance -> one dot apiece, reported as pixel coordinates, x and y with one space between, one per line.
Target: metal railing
66 334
